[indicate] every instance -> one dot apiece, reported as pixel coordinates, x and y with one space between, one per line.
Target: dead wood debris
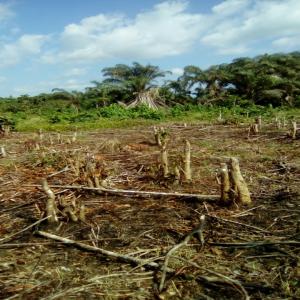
247 252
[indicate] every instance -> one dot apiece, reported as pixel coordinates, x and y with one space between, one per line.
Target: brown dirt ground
32 267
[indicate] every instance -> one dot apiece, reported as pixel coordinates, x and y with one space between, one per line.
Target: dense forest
265 80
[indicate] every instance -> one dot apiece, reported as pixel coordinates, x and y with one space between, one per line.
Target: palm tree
204 85
267 79
138 82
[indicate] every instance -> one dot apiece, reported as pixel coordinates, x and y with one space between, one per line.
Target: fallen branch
136 193
111 254
140 262
65 169
198 230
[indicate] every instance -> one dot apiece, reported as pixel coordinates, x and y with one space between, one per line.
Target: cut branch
111 254
137 193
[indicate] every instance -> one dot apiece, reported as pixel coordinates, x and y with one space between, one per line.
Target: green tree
137 82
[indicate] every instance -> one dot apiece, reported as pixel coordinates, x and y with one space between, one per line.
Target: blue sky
66 43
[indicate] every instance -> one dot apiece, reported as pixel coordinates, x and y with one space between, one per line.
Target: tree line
270 79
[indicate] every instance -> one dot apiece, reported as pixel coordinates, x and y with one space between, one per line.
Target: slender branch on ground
197 231
111 254
199 197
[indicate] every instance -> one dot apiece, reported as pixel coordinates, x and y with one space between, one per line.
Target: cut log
238 184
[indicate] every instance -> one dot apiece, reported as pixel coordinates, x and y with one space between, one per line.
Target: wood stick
294 130
187 161
177 174
199 197
225 184
111 254
51 208
157 136
2 151
164 157
82 213
198 230
130 259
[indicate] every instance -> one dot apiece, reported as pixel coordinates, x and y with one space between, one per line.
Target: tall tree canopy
137 81
264 80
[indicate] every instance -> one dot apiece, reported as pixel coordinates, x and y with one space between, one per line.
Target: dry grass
36 268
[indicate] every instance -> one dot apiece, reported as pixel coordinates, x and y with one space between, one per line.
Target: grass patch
116 116
35 123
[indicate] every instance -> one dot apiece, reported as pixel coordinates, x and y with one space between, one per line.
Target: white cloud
171 28
230 7
5 11
177 71
253 22
166 30
287 43
48 85
232 27
26 46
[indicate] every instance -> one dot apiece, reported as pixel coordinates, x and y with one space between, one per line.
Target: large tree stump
238 185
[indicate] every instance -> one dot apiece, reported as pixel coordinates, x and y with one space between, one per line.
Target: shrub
143 111
113 111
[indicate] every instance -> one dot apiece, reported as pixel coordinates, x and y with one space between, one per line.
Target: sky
46 44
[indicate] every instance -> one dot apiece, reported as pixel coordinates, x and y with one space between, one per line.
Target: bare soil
248 251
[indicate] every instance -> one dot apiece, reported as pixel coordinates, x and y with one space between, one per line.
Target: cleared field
241 252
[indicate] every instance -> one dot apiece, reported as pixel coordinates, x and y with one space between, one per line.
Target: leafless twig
198 230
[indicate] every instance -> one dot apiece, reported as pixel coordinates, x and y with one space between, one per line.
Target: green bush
113 111
143 111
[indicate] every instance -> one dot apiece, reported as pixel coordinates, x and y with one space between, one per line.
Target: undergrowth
64 117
